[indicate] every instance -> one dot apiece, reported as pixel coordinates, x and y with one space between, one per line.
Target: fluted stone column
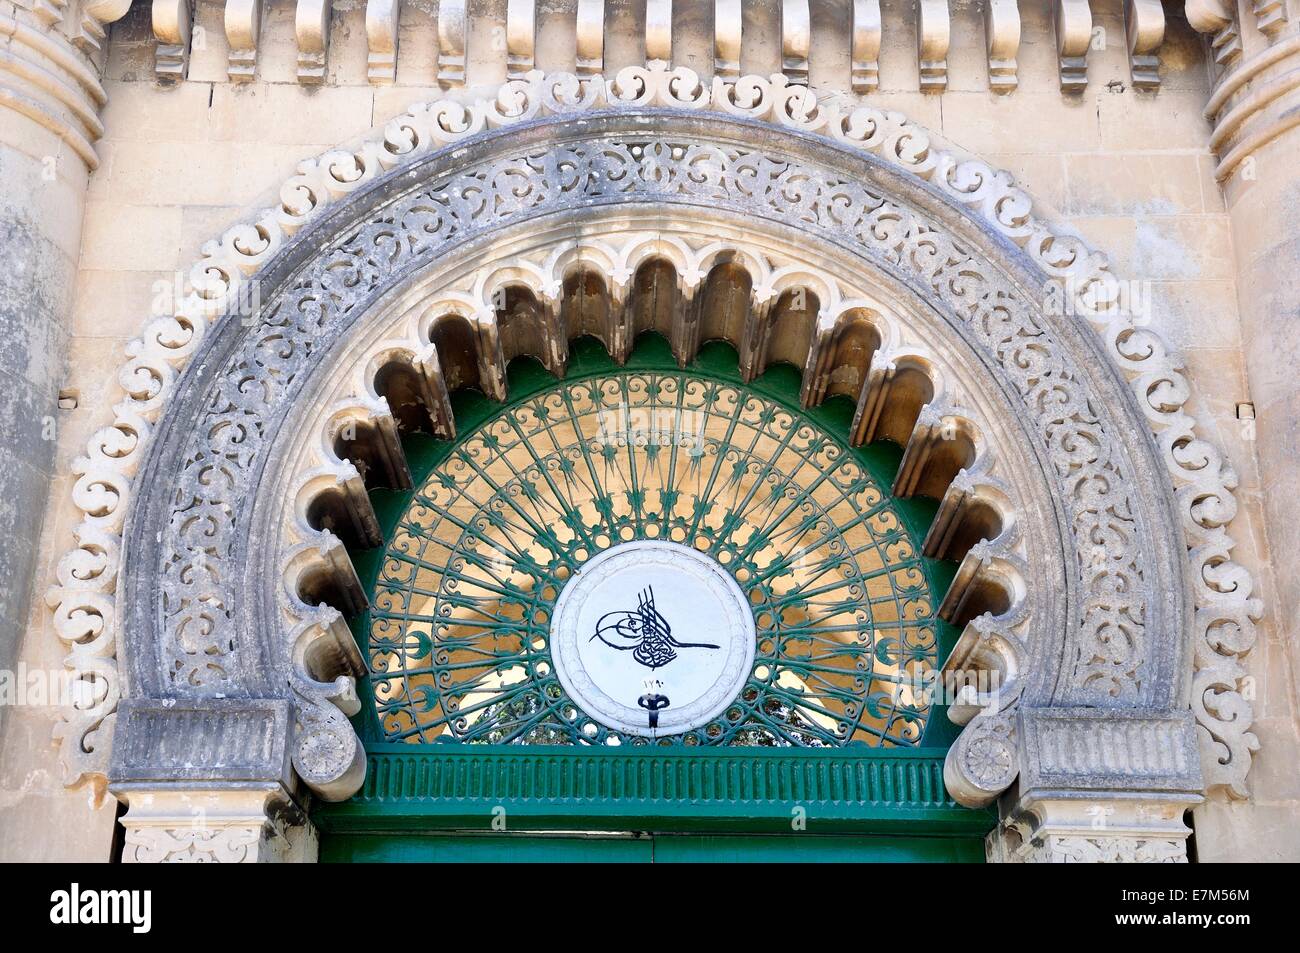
1255 112
50 97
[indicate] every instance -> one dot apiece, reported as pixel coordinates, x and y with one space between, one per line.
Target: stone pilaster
1099 786
207 781
50 96
1255 112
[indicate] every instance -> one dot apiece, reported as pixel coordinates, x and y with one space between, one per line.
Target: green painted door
408 847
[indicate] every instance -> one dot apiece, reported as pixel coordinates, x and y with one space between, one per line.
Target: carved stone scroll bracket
1144 24
381 37
1073 21
243 20
1218 18
311 27
1002 41
728 24
325 750
983 762
521 38
452 32
221 824
933 35
866 46
590 37
172 23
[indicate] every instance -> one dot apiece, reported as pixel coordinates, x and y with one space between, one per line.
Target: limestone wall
1131 169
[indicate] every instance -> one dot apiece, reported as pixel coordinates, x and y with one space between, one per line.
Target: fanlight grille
457 636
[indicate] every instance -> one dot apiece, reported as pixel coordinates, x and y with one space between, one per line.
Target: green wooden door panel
483 848
406 847
793 848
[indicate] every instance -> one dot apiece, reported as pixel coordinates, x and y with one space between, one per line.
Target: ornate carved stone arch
1099 590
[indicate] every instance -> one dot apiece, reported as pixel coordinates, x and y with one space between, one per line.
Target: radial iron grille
457 634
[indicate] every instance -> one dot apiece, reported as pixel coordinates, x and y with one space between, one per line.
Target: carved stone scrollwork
85 620
1120 651
1224 633
326 752
983 761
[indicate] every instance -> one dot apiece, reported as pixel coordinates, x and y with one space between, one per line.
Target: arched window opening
667 466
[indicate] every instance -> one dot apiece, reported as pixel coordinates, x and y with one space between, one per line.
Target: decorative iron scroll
458 636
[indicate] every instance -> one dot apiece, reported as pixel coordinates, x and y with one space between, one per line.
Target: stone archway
1104 626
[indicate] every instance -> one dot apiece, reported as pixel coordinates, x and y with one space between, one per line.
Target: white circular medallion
652 638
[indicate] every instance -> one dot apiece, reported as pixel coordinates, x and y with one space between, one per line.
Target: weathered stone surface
1136 171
